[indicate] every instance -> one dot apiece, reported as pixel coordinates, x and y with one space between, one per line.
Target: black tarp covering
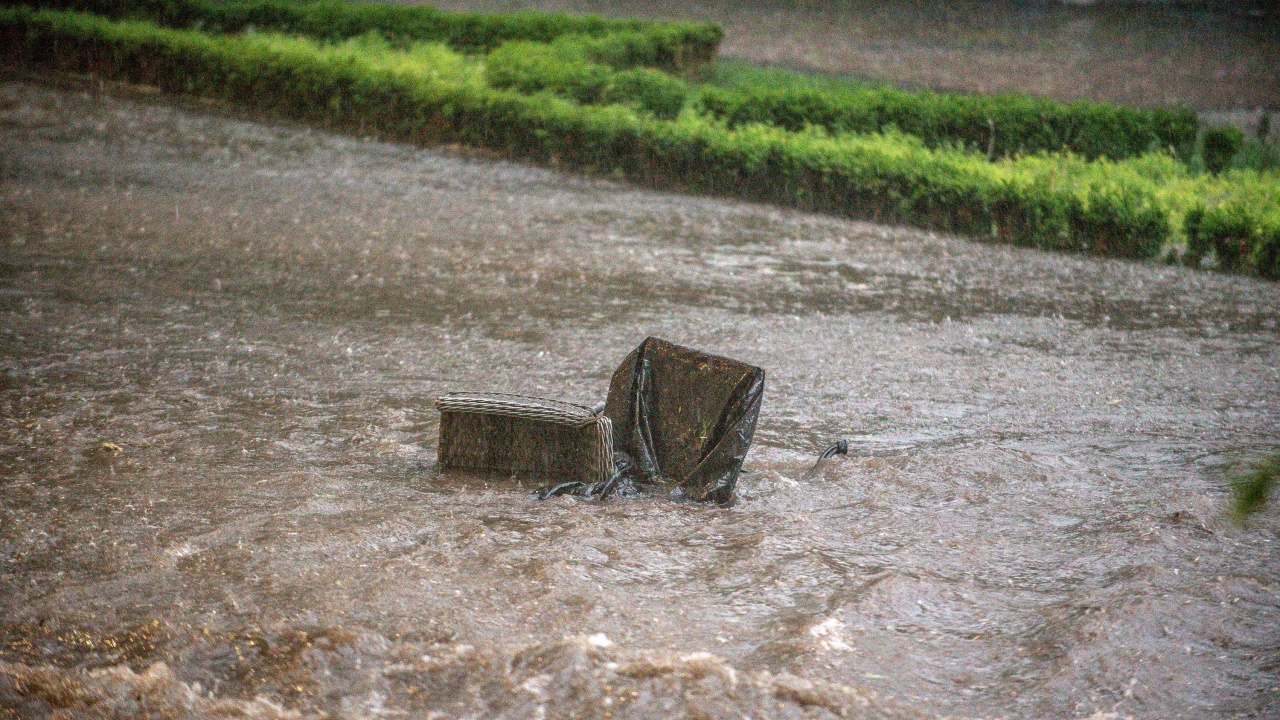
682 420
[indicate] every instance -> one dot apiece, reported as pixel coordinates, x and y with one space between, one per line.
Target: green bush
1199 243
1220 145
648 90
531 67
1243 238
993 125
621 43
1256 155
674 47
1119 221
1266 252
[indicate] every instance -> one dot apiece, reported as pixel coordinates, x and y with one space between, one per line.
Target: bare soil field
1140 55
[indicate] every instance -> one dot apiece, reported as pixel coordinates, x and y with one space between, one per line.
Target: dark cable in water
611 483
573 487
840 448
602 490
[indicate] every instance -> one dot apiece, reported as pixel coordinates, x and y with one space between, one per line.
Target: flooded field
220 340
1133 53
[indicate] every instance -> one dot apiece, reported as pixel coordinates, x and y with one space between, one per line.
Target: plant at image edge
1252 488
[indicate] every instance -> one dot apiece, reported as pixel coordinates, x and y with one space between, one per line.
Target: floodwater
221 339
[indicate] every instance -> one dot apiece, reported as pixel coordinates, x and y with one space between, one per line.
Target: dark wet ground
258 316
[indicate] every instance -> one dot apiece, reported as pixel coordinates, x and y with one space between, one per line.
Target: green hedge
1242 238
1219 146
888 178
531 67
991 124
648 90
674 47
562 68
620 43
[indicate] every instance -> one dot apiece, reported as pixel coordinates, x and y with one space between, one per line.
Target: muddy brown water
256 316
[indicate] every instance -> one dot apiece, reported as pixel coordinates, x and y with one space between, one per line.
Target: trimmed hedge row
879 177
620 43
992 124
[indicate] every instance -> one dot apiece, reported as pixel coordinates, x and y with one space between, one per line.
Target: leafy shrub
531 67
1266 252
648 90
668 46
560 68
421 62
1257 155
995 124
1227 229
1119 220
1244 238
1220 145
1199 243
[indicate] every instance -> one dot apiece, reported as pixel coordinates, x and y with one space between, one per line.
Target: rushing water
220 342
